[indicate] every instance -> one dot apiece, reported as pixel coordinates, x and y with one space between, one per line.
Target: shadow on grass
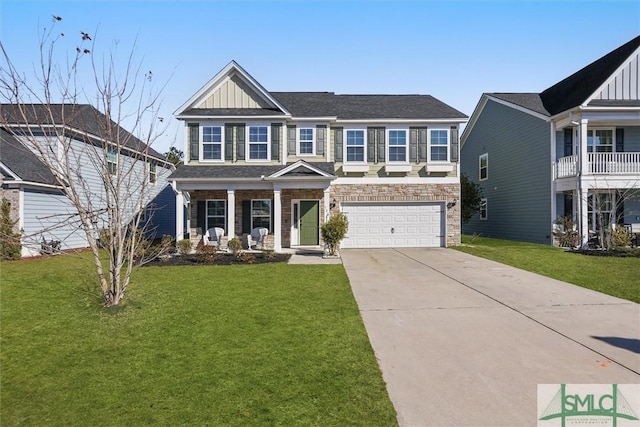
630 344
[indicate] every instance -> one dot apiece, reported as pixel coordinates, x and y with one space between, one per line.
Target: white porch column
327 204
179 216
583 168
277 220
231 214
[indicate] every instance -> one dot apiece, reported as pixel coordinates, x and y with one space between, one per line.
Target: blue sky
453 50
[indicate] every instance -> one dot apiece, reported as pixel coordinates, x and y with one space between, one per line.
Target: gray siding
632 139
52 217
518 189
162 214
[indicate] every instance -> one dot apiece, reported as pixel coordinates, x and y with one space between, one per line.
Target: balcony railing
599 164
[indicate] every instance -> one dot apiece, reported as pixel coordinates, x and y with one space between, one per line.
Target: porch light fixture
452 204
333 204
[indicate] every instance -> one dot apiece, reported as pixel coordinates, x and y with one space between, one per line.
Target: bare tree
71 113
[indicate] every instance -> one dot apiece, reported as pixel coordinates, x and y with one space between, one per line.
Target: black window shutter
422 145
381 147
194 141
240 142
568 205
619 140
201 216
454 144
413 144
619 219
275 141
228 142
338 145
246 216
321 139
371 145
568 141
291 140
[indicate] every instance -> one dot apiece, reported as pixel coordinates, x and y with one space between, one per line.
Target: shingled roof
530 101
578 87
185 172
82 117
22 162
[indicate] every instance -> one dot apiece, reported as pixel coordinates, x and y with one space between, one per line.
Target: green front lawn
615 276
271 344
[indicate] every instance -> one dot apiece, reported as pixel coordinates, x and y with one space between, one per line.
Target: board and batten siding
50 216
234 93
518 188
625 84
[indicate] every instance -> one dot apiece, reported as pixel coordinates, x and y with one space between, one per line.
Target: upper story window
112 161
258 143
439 143
600 141
212 143
153 174
484 166
397 146
355 145
306 144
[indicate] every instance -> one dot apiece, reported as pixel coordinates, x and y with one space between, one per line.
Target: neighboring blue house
571 150
37 198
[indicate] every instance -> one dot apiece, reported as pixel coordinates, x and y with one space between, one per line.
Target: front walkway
309 256
463 341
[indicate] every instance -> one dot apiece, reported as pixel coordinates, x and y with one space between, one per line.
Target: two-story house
571 150
74 135
284 160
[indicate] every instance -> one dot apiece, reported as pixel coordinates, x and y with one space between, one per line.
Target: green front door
309 223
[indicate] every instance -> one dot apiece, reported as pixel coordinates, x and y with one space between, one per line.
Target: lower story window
483 209
216 213
601 211
261 214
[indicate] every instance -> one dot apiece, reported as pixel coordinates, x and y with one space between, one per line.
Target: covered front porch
289 204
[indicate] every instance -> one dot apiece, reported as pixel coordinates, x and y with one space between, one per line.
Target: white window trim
613 137
313 141
215 216
270 213
406 146
448 146
483 203
154 173
480 178
201 145
345 146
114 151
247 143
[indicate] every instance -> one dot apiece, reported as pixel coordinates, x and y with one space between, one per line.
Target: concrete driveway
464 341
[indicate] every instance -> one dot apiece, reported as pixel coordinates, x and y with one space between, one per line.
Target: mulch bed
623 253
219 259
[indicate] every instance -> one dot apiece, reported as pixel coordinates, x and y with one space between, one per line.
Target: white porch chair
257 238
213 236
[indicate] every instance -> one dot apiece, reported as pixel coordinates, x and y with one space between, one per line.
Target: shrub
567 235
235 245
620 238
207 254
268 253
333 231
184 246
246 257
10 247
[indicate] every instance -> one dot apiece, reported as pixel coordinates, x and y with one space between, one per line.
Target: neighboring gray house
571 150
284 160
37 199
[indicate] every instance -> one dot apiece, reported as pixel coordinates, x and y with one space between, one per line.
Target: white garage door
389 225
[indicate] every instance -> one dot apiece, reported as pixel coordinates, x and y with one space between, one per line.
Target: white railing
566 166
614 163
599 164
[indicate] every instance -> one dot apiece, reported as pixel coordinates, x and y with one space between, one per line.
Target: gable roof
230 70
81 118
578 87
21 163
